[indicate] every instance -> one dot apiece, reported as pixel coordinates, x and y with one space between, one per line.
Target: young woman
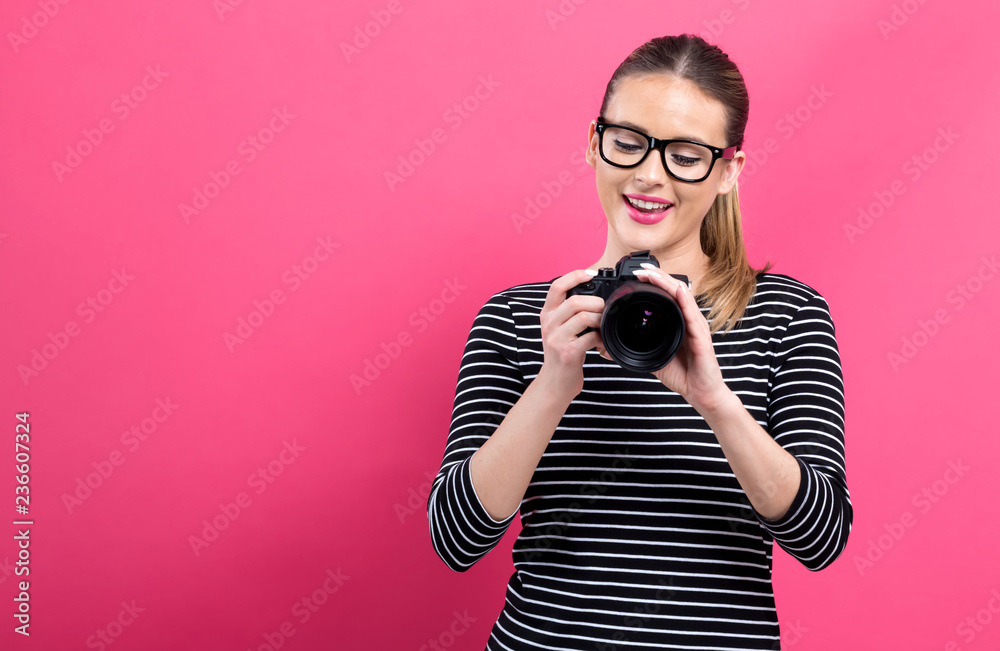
650 502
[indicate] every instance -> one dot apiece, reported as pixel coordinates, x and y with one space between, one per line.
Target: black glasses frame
656 143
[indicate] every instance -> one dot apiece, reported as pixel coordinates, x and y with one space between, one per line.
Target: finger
580 321
557 292
588 341
587 307
697 324
578 311
660 278
694 320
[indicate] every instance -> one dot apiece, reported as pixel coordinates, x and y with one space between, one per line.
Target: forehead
667 107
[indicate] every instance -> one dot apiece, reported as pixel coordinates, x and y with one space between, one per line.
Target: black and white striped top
636 533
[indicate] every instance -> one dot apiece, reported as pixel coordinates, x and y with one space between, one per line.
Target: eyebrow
632 125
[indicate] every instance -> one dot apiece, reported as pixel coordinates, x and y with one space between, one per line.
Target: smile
646 212
648 206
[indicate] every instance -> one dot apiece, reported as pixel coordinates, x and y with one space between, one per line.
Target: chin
650 241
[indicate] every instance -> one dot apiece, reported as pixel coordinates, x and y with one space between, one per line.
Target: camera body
642 327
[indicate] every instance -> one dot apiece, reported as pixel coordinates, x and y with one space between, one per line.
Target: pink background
873 84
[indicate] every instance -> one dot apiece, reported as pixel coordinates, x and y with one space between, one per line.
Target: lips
648 200
643 216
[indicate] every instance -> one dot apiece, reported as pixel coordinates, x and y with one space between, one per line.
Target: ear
592 154
731 170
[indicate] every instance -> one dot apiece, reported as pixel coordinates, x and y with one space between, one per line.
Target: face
661 106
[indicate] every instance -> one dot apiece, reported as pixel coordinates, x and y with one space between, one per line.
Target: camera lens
642 327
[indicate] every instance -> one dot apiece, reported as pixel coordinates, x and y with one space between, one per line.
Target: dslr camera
642 327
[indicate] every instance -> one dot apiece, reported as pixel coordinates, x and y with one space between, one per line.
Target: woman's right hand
562 319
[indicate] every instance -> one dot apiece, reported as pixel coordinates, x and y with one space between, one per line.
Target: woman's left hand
694 371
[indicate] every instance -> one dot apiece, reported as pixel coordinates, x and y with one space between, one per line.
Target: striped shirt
636 534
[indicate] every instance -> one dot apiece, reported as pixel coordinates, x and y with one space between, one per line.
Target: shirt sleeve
490 382
805 415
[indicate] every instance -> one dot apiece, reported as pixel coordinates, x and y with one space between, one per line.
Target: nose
651 170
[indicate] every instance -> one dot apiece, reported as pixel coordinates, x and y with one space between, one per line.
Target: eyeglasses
685 160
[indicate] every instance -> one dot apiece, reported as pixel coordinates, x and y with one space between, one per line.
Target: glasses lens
688 161
684 160
623 147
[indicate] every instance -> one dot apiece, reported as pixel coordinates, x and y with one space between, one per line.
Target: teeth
646 205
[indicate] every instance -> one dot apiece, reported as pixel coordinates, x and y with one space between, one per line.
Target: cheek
609 188
697 198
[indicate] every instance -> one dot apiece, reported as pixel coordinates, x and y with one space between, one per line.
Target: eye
686 161
628 148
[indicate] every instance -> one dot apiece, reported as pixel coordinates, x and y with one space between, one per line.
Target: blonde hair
730 281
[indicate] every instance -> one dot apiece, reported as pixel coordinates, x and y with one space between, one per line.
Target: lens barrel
642 327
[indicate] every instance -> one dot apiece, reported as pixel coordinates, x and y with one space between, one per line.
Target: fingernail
591 272
640 272
648 265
